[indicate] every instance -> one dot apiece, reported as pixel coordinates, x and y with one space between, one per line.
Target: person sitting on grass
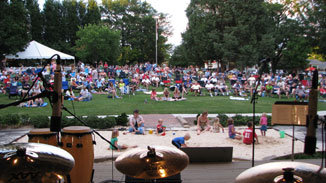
160 128
217 126
180 141
203 123
70 95
154 95
195 87
176 93
232 133
136 123
111 89
121 87
166 93
114 141
248 135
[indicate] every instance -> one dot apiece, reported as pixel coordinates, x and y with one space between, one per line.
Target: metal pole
156 38
293 139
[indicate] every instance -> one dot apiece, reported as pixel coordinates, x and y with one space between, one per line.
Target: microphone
312 117
56 109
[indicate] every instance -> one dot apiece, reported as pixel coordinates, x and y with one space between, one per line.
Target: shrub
122 119
223 119
11 119
25 119
100 123
40 121
195 121
70 122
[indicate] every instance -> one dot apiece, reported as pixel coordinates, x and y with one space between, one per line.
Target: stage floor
194 173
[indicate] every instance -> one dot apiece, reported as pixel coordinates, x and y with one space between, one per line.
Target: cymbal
152 163
266 173
33 162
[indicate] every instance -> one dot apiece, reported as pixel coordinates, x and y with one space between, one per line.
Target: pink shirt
263 120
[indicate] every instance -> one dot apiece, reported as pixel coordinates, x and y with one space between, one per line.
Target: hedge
239 120
42 121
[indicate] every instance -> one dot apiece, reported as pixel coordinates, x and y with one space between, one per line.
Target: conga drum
77 140
43 136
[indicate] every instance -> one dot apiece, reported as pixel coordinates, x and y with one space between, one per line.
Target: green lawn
101 105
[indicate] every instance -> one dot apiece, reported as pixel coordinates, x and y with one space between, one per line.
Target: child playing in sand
248 135
114 141
232 132
263 123
180 141
160 128
217 125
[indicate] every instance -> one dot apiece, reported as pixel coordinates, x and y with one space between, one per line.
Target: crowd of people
176 82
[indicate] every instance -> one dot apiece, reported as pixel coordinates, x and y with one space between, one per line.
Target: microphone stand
253 102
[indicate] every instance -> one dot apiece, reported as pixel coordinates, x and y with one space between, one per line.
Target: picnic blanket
43 105
237 98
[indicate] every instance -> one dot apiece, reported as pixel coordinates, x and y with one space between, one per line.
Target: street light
156 36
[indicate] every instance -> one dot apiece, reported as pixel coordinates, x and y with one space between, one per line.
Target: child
160 128
248 134
263 123
114 140
232 132
122 87
154 95
217 126
180 141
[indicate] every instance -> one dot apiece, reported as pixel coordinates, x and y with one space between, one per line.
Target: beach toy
282 134
150 132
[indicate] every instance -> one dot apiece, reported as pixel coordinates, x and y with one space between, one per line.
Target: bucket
150 131
282 134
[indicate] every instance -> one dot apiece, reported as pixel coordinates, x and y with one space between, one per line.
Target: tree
35 19
53 24
135 21
97 42
13 27
93 15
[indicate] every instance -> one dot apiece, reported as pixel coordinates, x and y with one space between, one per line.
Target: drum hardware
152 163
288 177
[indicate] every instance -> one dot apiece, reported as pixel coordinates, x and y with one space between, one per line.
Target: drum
43 136
77 140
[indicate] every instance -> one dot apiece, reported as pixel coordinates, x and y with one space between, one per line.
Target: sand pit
270 146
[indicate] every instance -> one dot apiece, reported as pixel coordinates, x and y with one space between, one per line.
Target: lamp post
156 36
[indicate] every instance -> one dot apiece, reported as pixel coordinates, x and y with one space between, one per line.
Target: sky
176 10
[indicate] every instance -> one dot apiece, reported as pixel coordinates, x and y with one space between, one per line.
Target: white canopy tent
37 50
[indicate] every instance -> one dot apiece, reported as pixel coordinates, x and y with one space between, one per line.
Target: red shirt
248 136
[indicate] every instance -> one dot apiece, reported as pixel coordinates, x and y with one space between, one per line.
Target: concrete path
9 135
300 133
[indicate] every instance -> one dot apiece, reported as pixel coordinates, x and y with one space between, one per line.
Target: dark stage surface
194 173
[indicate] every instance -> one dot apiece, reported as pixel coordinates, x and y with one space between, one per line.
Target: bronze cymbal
33 162
266 173
152 163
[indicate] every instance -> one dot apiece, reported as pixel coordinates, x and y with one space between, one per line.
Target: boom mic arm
57 104
312 117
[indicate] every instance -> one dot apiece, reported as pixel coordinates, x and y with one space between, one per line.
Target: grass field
101 105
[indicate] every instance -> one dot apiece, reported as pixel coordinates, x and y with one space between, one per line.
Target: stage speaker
172 179
289 113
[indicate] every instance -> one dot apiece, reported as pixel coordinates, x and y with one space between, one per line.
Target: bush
122 119
70 122
40 121
25 119
223 119
195 121
10 120
100 123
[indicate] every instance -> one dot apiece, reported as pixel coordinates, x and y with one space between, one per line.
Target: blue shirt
179 141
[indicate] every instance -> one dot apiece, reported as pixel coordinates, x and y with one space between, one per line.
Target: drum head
77 129
40 131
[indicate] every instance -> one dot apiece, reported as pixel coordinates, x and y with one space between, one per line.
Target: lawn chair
65 85
13 91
